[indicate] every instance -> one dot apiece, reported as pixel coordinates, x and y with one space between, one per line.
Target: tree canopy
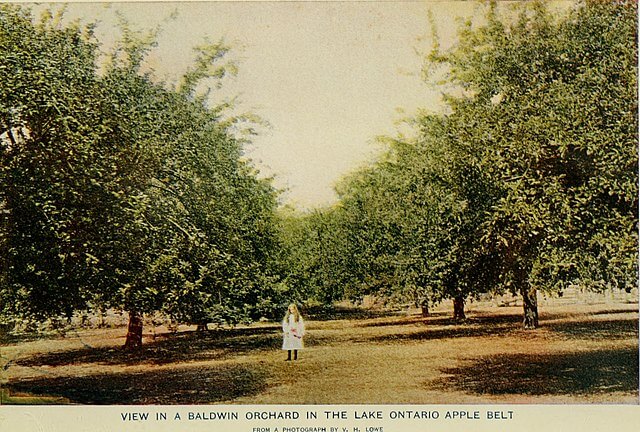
528 182
118 191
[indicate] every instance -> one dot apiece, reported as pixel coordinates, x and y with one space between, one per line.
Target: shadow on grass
482 318
597 329
170 348
179 386
615 311
446 328
435 317
491 325
445 318
459 331
601 371
332 313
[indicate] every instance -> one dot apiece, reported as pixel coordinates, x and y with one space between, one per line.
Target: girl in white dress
293 328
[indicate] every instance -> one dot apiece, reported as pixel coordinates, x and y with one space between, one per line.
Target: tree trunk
425 308
530 306
134 331
458 308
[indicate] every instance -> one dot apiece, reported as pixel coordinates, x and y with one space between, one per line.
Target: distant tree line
528 182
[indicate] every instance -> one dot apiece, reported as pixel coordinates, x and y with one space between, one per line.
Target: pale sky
327 76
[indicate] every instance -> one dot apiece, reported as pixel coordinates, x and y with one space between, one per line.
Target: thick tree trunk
530 306
425 308
134 331
458 308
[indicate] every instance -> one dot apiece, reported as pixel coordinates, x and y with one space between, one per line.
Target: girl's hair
296 313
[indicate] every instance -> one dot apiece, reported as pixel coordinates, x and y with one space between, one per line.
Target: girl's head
293 310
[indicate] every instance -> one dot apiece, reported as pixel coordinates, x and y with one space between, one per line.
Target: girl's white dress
293 333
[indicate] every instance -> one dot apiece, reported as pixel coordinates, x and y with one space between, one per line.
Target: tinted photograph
319 203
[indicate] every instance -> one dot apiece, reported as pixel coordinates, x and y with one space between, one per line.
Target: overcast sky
328 76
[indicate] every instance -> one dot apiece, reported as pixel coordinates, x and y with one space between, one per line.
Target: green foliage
413 220
53 150
528 182
311 258
118 192
550 117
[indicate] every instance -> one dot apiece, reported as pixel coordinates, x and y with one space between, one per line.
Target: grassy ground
582 353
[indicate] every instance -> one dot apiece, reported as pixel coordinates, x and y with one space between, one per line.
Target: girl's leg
295 354
288 355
